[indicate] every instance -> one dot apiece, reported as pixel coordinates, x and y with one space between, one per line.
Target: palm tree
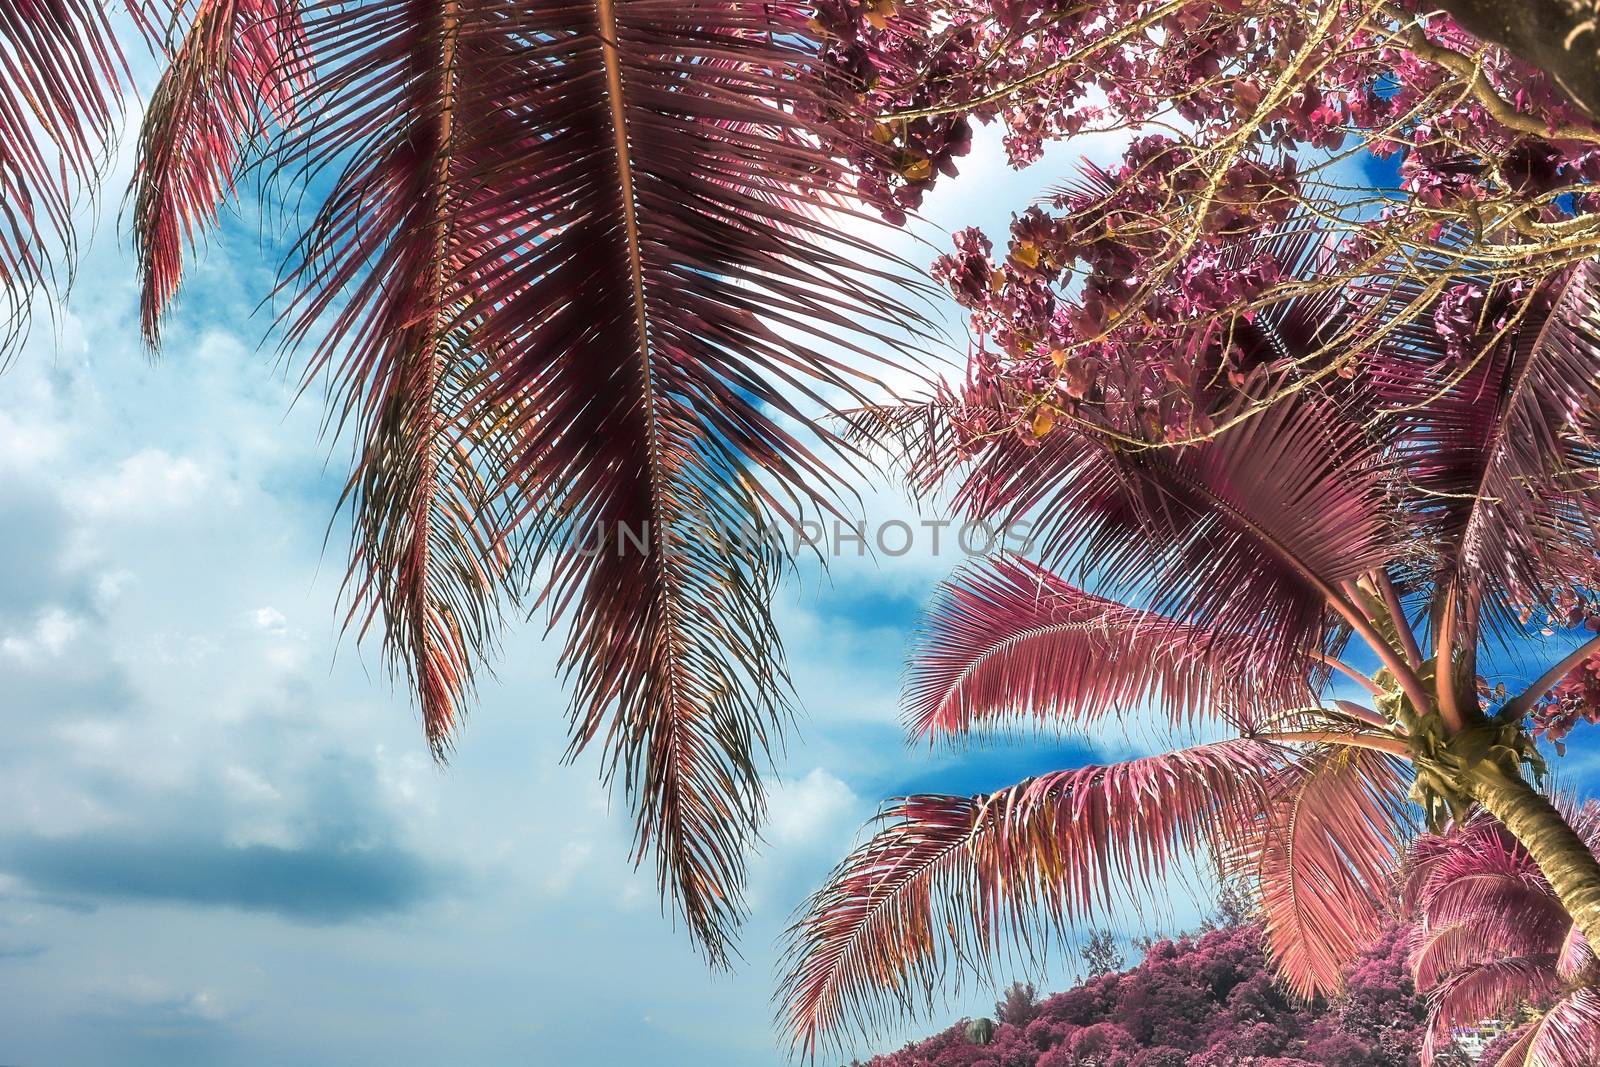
1417 509
565 270
1492 939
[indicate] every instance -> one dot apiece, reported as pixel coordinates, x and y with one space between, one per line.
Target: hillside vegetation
1206 1000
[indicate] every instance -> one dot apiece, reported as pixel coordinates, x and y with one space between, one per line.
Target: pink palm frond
1484 991
427 560
571 260
1568 1034
950 881
1499 445
232 77
1577 960
61 79
1335 829
1246 534
1491 934
1443 951
1010 639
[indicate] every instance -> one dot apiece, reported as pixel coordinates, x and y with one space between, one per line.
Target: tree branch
1344 668
1391 599
1523 702
1557 36
1366 715
1391 745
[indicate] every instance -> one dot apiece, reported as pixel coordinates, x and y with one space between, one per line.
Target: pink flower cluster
1574 700
1118 294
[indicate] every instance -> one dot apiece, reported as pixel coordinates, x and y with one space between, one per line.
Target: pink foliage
924 71
1204 1001
1111 300
1575 699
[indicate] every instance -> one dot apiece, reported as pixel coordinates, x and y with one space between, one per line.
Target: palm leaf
1474 868
920 437
1500 452
1513 1055
1577 959
61 78
234 74
1486 991
1009 638
1479 898
1330 840
1491 933
614 207
393 238
426 560
950 881
1246 534
1568 1034
1448 950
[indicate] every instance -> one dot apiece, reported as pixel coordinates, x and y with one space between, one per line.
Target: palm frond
1568 1033
1246 534
1577 959
1335 831
1485 991
1008 638
1442 951
426 560
616 205
61 79
951 881
1491 932
1519 896
1500 447
920 437
234 74
394 238
1436 861
1513 1055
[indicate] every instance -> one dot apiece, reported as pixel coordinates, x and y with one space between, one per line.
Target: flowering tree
1430 164
1205 1000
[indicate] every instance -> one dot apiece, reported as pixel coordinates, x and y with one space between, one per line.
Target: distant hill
1199 1001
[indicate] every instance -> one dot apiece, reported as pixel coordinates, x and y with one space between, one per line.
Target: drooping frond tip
611 211
231 77
1323 851
61 79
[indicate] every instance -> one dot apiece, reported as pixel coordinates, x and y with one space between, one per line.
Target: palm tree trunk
1561 854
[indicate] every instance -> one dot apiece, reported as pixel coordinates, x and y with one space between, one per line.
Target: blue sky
223 842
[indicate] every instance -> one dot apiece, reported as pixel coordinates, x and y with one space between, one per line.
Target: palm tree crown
1417 505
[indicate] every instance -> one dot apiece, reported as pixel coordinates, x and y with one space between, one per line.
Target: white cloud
141 995
269 619
27 445
574 857
811 810
149 483
50 635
